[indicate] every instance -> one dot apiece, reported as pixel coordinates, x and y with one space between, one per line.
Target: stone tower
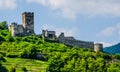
28 22
98 47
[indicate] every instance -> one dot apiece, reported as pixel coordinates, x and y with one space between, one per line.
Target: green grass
30 64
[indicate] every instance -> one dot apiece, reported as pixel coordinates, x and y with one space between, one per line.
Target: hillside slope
37 54
115 49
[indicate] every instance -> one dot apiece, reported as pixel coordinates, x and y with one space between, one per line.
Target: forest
38 54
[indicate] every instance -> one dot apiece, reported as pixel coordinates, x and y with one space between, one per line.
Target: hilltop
37 54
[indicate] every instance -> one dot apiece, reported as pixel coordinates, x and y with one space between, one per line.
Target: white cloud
68 32
71 8
43 2
109 31
105 44
8 4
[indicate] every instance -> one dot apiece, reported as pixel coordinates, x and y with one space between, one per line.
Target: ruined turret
98 47
49 34
28 22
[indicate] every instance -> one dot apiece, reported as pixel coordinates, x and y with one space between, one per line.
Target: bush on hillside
3 53
116 56
1 39
10 55
2 58
3 25
12 69
2 68
29 52
24 69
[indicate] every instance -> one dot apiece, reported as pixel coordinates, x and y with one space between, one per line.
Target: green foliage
12 69
2 58
116 56
29 52
3 25
2 68
1 38
79 60
59 57
114 67
9 38
3 53
24 69
10 55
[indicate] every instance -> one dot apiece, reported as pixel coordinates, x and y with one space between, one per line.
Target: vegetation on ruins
33 53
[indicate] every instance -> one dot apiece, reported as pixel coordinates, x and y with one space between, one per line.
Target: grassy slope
30 64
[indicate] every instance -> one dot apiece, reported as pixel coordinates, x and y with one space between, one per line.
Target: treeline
82 60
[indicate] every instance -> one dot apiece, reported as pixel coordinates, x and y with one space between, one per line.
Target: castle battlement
27 28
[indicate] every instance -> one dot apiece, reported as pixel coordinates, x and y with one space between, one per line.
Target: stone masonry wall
77 43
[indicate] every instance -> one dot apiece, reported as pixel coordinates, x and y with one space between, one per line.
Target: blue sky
89 20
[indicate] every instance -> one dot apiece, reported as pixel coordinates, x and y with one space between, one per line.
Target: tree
2 68
3 25
12 69
29 52
1 38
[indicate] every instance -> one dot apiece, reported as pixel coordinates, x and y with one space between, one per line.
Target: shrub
12 55
116 56
2 58
12 69
2 68
1 38
3 25
3 53
29 52
24 69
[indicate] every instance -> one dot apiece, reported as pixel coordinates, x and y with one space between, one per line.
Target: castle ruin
27 28
49 34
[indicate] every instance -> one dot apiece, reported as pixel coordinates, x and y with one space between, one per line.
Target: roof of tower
28 13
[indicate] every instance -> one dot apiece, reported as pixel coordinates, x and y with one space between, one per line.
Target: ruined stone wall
16 29
49 34
77 43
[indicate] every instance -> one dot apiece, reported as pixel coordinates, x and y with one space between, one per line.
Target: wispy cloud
68 32
109 31
71 8
8 4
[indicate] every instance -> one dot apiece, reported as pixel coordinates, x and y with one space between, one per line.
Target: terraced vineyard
31 64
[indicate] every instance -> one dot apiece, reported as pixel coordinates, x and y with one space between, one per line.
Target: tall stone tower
28 22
